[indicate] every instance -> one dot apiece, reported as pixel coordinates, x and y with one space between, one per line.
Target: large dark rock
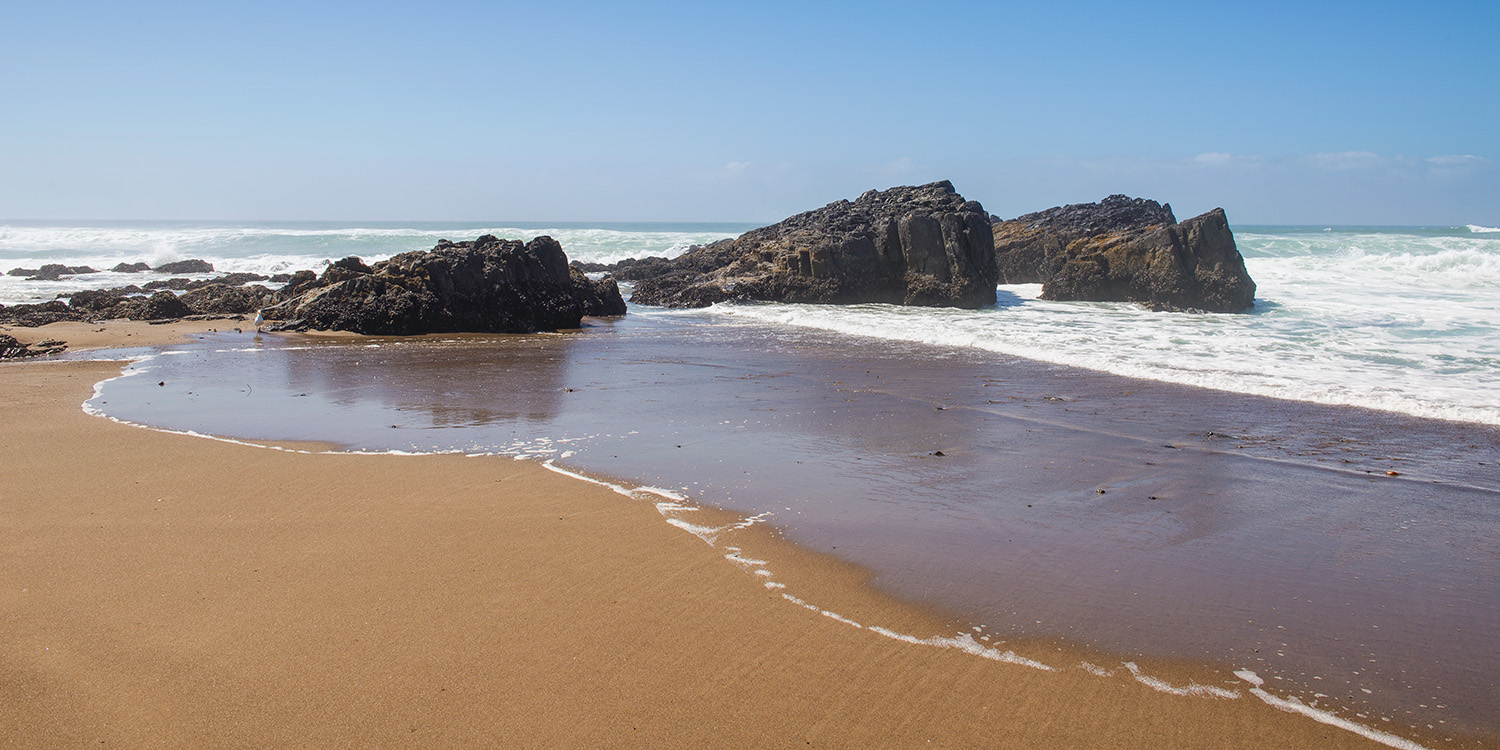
41 314
123 267
186 266
599 298
1024 244
1126 250
223 299
296 283
96 299
908 245
485 286
165 305
50 272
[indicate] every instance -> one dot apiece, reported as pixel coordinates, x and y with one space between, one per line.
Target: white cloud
1344 160
1457 161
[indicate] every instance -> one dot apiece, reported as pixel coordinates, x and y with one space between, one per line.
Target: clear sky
1297 112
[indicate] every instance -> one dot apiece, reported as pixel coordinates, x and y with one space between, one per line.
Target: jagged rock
1023 244
31 316
1126 250
210 300
599 298
10 348
95 299
186 266
128 308
130 268
296 283
239 278
632 269
165 305
182 284
908 245
51 272
223 299
488 285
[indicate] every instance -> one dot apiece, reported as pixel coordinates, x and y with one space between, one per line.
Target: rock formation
10 348
223 299
186 266
49 272
488 285
1126 250
908 245
164 305
40 314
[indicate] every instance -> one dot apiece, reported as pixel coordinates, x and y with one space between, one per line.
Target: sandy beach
166 590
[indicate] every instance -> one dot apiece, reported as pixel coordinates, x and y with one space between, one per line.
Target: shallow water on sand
1350 557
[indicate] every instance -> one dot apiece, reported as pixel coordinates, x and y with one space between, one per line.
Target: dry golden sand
164 590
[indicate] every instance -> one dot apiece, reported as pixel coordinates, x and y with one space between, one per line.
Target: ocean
1404 319
1304 495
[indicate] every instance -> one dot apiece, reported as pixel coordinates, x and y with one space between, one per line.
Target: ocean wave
83 245
1476 229
1385 259
1459 265
1439 368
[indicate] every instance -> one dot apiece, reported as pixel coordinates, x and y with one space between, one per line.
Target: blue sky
1367 112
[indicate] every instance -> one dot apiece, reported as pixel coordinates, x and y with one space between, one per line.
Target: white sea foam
1095 669
1403 323
1476 229
736 556
270 249
965 643
659 492
1293 705
1192 688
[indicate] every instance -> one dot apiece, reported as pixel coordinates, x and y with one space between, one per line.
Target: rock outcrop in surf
488 285
1125 249
921 245
50 272
55 271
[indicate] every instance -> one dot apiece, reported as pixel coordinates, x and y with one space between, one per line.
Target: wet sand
1347 556
160 589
